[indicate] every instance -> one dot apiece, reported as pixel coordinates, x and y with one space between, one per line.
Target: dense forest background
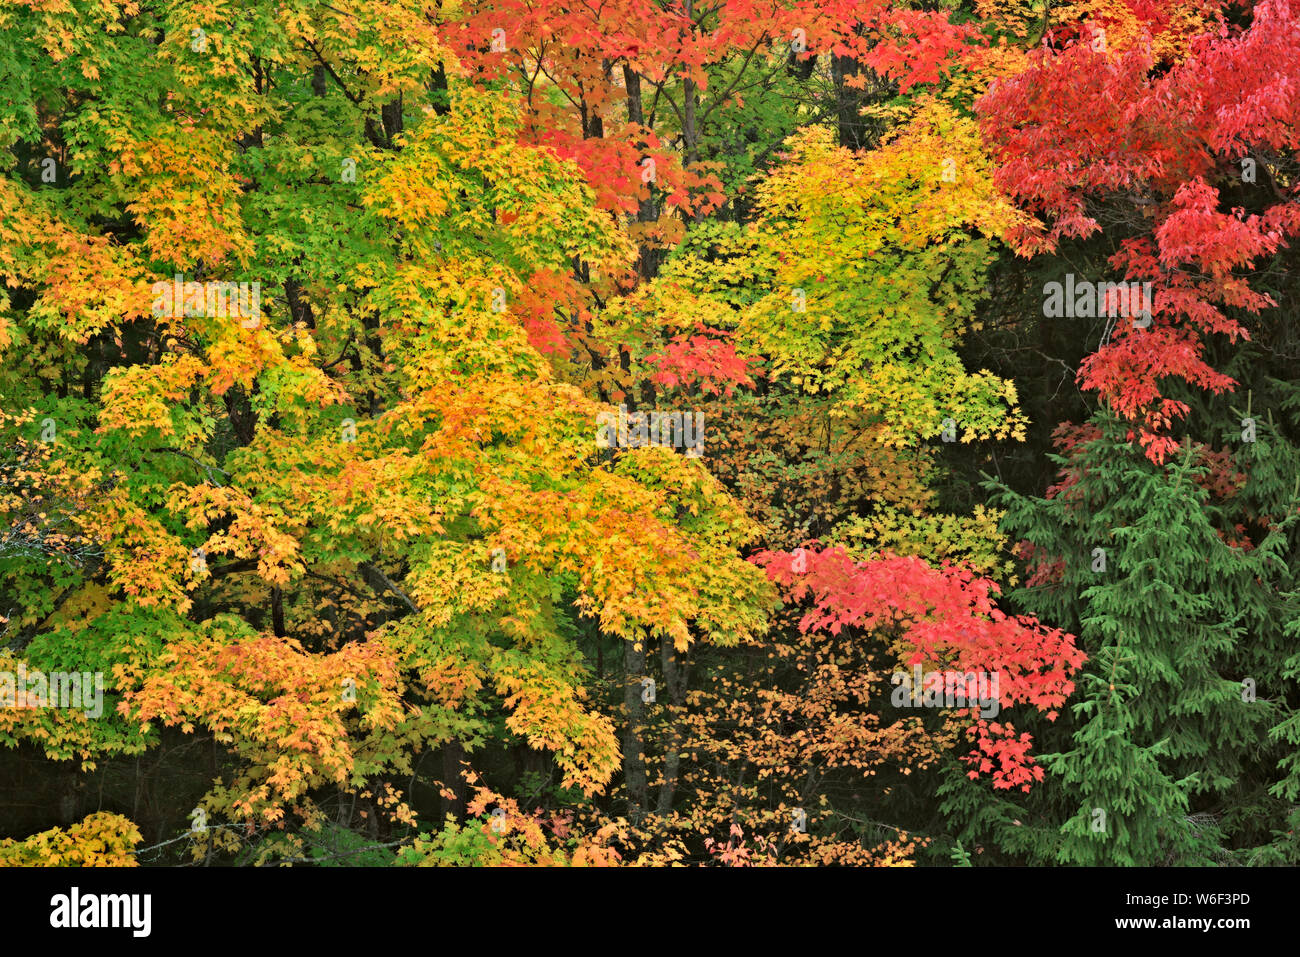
584 433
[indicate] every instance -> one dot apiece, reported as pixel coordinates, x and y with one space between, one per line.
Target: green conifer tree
1188 621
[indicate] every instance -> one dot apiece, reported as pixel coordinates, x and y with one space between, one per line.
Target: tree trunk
452 755
847 102
634 776
277 612
647 260
675 668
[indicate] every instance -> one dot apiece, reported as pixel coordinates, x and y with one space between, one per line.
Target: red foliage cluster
1082 127
946 616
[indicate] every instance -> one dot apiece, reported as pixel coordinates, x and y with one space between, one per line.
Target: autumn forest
649 432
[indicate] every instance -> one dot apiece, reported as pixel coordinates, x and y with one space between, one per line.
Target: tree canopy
642 432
